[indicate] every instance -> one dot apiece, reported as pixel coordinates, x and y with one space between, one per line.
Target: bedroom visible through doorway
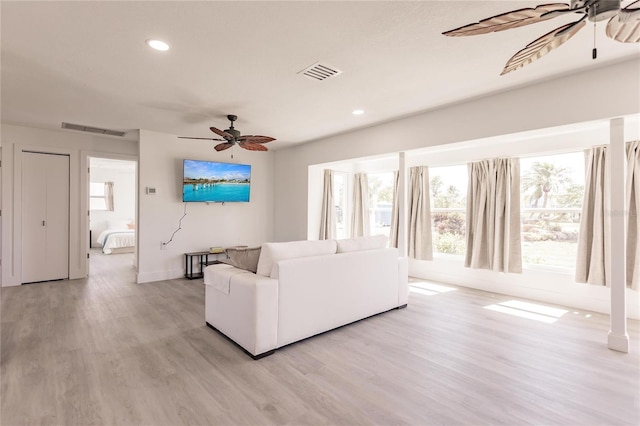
112 211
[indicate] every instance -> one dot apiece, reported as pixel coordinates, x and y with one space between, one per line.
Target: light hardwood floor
107 351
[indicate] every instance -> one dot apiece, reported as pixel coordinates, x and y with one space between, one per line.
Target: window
380 202
448 187
101 196
97 200
551 191
340 197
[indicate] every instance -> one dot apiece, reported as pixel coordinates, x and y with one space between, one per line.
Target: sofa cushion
362 243
244 258
273 252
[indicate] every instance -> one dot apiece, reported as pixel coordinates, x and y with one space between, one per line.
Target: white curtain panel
327 215
360 212
633 205
420 245
395 213
493 216
593 246
108 196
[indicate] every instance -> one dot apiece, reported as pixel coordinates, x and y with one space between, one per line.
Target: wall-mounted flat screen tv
213 182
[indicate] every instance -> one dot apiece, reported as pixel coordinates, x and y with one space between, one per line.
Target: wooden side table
203 260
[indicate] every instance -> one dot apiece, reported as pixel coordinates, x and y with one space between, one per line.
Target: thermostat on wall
151 190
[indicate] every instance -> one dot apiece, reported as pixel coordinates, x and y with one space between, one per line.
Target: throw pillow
244 258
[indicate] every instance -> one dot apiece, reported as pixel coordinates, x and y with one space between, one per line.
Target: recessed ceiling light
357 112
157 44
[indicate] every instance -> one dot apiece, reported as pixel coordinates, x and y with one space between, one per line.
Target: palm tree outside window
551 189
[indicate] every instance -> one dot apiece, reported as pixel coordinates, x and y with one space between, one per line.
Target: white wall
77 145
123 176
204 225
516 122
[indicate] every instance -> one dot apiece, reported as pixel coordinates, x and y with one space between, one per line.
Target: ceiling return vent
90 129
320 71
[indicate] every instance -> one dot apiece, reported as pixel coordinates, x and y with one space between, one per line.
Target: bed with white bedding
117 240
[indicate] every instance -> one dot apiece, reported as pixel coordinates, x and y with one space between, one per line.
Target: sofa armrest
248 315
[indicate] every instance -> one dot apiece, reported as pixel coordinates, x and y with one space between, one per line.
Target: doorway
112 213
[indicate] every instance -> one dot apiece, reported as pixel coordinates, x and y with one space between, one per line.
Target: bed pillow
362 243
244 258
273 252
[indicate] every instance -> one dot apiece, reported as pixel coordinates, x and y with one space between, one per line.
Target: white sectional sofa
303 288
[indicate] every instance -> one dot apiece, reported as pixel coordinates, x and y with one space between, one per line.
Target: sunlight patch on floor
533 311
428 288
418 290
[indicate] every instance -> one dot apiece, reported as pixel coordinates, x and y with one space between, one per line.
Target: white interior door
34 214
45 217
57 225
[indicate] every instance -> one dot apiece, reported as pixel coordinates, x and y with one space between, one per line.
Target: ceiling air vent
319 71
90 129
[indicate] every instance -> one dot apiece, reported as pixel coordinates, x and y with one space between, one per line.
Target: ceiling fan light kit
232 136
623 26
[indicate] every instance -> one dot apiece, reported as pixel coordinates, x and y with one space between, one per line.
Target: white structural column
402 205
618 338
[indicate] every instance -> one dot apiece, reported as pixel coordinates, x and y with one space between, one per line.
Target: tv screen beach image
206 181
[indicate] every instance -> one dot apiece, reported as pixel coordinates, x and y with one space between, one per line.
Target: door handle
43 223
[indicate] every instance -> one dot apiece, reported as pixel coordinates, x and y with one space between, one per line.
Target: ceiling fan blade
253 146
223 146
625 26
543 45
555 13
225 135
513 19
631 12
206 139
255 139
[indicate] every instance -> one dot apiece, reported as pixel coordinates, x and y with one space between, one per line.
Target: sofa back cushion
273 252
362 243
244 258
